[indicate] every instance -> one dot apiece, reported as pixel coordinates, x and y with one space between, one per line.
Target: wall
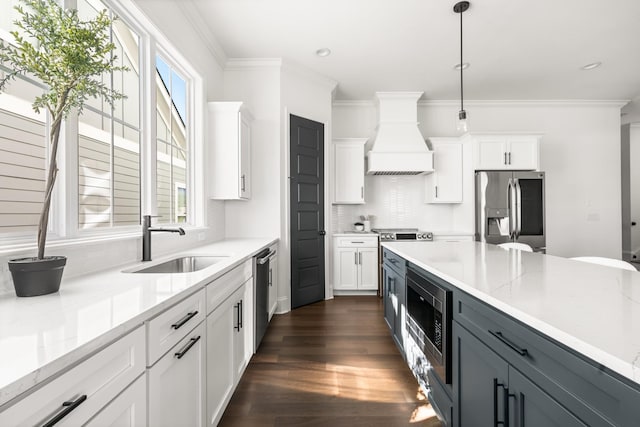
580 153
86 255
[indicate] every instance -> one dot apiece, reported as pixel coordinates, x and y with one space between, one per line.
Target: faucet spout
146 235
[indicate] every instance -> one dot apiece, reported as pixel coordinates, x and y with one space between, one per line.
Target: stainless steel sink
185 264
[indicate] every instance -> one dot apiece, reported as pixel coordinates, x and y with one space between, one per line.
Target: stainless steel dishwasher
261 294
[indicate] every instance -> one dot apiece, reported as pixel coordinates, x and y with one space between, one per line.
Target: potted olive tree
69 56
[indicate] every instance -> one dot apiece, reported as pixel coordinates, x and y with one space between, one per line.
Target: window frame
64 214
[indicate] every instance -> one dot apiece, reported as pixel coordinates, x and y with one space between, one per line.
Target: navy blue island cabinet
507 373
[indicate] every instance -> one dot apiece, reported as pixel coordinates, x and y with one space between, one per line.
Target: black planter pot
33 276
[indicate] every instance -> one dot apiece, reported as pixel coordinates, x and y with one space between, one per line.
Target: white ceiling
517 49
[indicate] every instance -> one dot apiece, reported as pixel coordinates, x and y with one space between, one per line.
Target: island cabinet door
480 387
533 407
388 297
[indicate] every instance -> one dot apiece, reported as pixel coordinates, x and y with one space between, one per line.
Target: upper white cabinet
230 151
348 180
504 152
444 185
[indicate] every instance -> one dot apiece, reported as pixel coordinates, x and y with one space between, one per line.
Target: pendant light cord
461 67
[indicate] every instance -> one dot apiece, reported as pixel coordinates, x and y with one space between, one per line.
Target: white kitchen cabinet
355 263
90 386
506 152
348 170
177 383
273 282
229 165
228 344
129 409
444 185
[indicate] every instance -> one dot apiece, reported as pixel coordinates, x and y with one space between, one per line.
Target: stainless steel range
397 235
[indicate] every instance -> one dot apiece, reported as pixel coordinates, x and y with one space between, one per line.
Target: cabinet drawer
169 327
394 261
225 285
357 242
129 409
93 383
582 386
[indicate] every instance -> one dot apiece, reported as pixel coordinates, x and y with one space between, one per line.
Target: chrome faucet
146 235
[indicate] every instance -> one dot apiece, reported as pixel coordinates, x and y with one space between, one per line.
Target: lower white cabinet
177 383
129 409
228 350
356 263
76 396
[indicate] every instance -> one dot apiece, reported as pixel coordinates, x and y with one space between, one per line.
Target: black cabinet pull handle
237 325
68 408
187 347
240 315
512 346
184 320
505 399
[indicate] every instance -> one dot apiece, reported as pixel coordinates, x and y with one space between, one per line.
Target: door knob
633 223
322 232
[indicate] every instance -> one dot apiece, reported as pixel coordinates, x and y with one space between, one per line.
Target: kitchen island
580 323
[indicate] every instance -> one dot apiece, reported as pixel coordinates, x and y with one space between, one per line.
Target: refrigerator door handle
511 200
518 228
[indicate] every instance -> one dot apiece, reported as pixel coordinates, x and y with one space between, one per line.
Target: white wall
580 153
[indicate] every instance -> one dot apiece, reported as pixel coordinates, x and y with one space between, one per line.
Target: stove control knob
422 236
429 236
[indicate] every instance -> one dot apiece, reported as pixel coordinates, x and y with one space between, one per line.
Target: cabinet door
523 153
479 389
492 153
388 297
177 383
445 184
273 286
368 268
220 365
536 408
241 324
129 409
349 172
346 268
399 329
245 158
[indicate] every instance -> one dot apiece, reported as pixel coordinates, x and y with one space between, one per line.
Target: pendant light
462 124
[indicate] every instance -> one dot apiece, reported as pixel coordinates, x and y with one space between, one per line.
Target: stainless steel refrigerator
510 208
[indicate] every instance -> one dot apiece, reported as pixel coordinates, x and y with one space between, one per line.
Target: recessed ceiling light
465 65
592 66
325 51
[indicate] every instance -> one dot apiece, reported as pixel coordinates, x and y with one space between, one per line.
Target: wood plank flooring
334 364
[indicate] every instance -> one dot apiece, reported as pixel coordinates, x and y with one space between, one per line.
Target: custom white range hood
399 148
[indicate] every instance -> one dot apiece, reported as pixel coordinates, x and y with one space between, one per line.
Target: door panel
346 268
368 258
532 211
307 211
492 206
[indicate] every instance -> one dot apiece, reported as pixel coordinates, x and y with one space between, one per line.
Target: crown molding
619 103
190 11
235 64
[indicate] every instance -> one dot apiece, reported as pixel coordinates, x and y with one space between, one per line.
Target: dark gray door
307 210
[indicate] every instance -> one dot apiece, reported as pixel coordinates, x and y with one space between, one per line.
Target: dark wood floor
334 364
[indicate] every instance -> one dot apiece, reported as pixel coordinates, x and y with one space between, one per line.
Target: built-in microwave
429 309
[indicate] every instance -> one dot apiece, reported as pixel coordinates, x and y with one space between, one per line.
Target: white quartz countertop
40 336
592 309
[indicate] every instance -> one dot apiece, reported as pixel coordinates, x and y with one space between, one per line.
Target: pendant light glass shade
462 124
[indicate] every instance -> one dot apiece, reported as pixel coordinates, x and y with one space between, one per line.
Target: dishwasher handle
263 260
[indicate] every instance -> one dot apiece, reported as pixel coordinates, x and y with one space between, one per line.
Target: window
172 143
109 139
106 142
23 142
